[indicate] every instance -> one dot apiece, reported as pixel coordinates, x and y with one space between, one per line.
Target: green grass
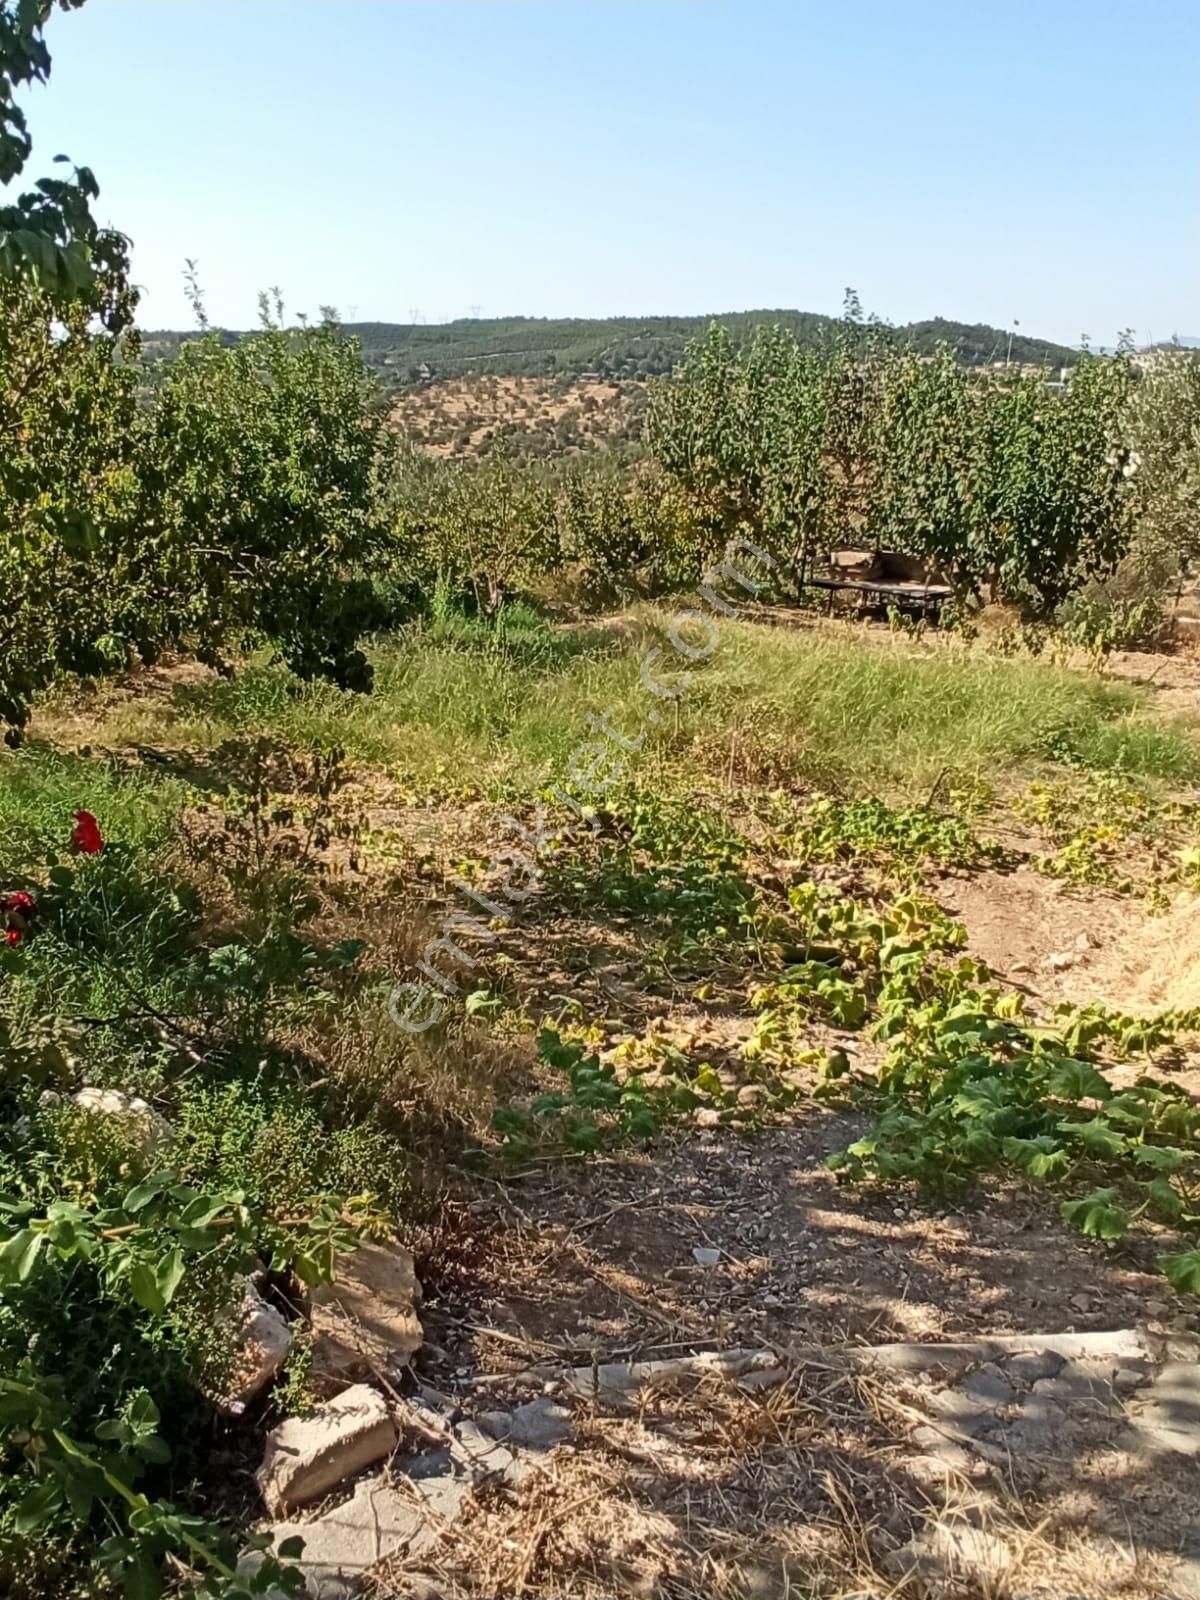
41 789
881 717
454 706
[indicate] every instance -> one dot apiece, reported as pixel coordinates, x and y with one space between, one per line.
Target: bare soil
719 1238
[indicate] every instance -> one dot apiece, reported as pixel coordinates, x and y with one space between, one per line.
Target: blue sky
988 162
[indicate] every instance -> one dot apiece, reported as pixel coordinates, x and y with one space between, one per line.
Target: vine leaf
1182 1271
1096 1137
1097 1215
1078 1080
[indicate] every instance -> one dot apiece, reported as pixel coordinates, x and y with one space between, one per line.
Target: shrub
257 481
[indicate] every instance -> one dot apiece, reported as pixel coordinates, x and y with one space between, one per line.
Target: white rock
307 1456
706 1257
261 1338
147 1129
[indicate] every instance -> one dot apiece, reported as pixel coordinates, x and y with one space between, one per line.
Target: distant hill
622 347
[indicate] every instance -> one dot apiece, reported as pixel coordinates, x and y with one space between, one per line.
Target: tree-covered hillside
626 347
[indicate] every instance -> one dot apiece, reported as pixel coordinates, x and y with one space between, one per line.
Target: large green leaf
1182 1271
169 1275
1158 1157
1096 1137
1097 1214
1078 1080
1042 1157
143 1286
19 1255
39 1505
140 1196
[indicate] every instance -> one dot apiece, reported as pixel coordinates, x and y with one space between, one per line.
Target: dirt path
601 1257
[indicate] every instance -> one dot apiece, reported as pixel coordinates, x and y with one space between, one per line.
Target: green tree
1056 499
488 528
744 433
1164 435
257 496
73 573
47 233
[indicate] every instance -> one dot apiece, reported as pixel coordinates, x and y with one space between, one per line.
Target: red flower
86 840
21 906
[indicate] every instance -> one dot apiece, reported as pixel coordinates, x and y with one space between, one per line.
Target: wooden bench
917 594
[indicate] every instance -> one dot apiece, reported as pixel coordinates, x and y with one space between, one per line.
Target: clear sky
988 160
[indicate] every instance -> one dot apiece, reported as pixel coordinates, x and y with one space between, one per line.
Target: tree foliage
1164 431
72 572
997 478
48 233
256 496
233 501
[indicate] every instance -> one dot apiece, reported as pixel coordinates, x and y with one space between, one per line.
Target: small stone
1029 1368
762 1378
261 1340
1062 960
990 1385
305 1457
967 1415
482 1456
539 1424
420 1586
706 1257
938 1458
1081 1302
1127 1379
1157 1309
771 1301
1038 1429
